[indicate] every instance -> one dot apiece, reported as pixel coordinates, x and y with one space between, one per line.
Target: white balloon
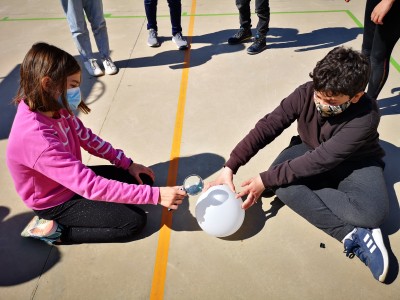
218 212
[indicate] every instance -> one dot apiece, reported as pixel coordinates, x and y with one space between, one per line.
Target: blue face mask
73 98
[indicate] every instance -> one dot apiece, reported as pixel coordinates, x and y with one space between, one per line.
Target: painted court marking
160 267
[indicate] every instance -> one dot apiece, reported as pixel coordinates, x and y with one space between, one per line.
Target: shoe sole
154 46
96 75
377 236
112 73
252 53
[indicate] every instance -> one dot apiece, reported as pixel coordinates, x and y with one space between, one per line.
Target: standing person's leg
150 7
95 15
76 20
175 11
378 44
244 13
244 32
87 221
263 13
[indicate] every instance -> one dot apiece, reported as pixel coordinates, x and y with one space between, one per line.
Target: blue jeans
353 194
262 11
75 11
378 44
175 11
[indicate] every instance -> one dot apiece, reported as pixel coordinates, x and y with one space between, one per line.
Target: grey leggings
352 195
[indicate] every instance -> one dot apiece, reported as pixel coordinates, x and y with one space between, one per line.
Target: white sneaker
109 67
180 42
152 40
93 68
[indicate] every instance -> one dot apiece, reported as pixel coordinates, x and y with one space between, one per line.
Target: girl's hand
380 11
253 188
225 177
171 197
136 169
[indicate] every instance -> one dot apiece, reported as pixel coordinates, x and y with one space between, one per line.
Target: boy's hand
225 177
253 188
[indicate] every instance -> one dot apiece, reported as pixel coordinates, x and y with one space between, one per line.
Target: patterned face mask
331 110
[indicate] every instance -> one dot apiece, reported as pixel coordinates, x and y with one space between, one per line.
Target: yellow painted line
160 268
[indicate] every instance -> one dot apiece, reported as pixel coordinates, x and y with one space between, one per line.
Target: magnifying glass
192 185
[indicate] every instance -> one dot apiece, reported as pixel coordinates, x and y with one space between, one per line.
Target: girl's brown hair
44 60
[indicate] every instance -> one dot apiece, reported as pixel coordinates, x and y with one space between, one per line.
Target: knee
262 13
99 26
375 219
138 224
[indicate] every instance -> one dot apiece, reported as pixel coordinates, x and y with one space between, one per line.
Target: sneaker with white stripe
368 246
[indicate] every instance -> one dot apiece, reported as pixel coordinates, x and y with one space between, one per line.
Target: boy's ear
357 97
46 83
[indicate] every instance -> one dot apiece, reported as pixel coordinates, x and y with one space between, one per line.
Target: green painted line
395 64
7 19
184 14
359 24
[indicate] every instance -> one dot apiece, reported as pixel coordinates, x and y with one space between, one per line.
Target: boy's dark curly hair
343 71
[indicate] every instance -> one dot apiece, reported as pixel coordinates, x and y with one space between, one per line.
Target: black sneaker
259 45
368 245
240 36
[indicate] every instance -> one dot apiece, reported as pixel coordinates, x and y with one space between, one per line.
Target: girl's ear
46 83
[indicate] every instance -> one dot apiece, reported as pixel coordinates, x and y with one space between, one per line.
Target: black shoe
240 36
259 45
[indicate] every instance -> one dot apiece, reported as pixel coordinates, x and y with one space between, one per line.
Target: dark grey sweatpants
352 195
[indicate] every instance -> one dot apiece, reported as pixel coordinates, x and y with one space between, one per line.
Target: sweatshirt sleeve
351 137
98 147
62 167
266 130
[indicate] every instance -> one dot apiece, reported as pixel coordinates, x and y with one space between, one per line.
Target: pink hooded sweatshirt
45 162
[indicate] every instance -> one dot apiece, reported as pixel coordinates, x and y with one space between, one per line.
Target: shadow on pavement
277 38
22 259
205 165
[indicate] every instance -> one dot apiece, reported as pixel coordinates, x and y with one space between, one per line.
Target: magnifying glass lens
193 185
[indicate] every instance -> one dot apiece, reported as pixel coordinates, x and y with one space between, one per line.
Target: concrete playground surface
182 112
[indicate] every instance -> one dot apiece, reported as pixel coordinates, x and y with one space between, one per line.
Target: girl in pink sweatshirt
81 203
